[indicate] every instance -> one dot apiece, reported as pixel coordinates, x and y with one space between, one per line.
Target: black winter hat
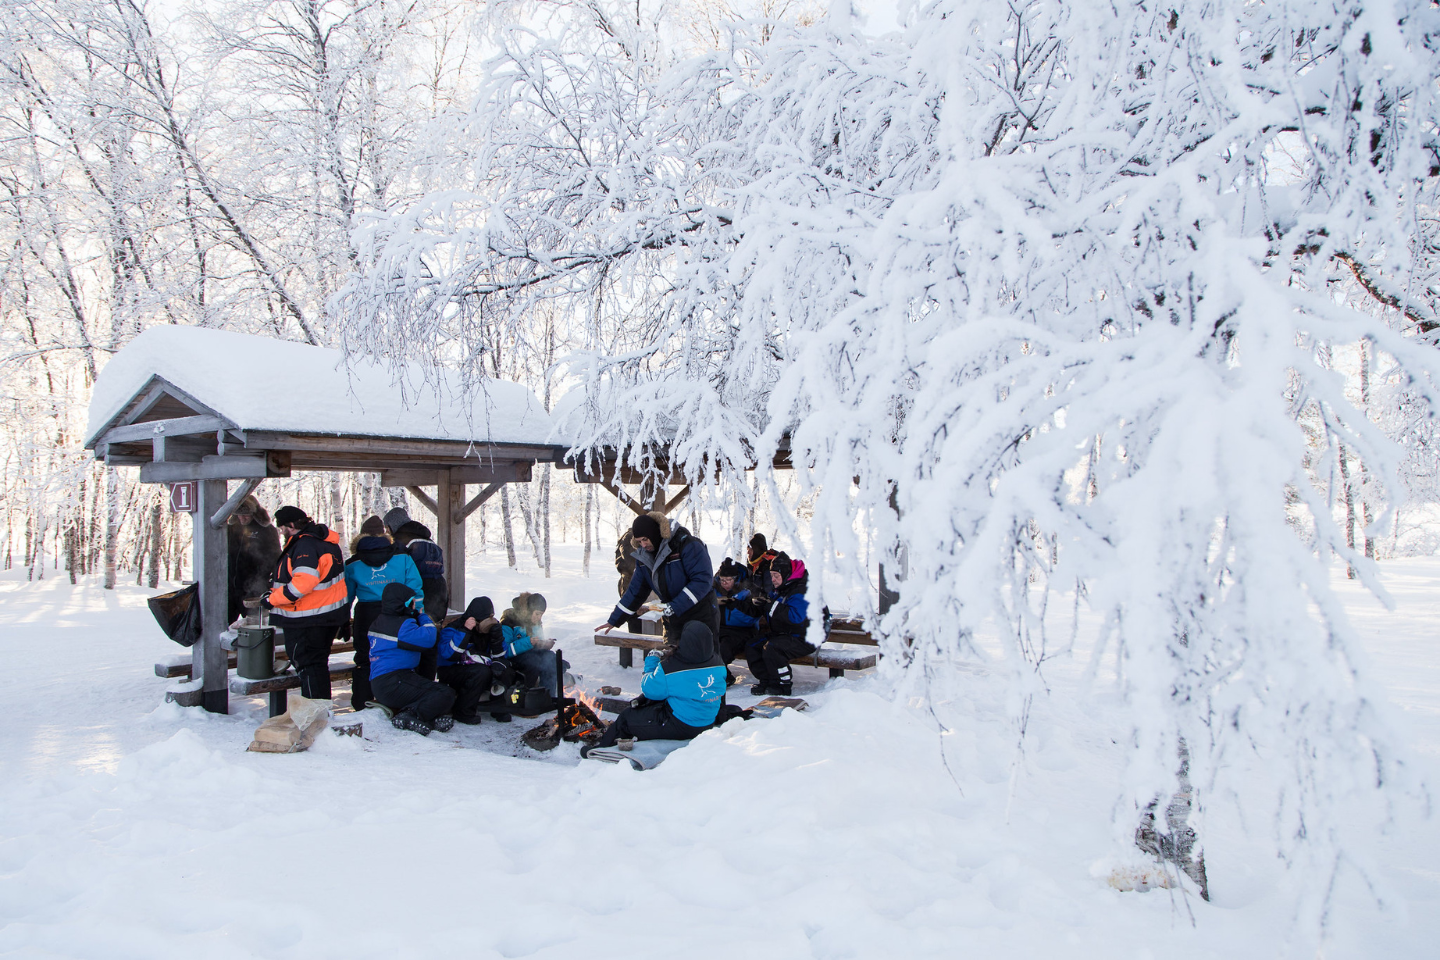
481 608
782 565
288 516
646 526
729 568
758 544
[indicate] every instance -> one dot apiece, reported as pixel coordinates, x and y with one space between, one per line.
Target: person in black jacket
738 625
676 565
470 660
787 618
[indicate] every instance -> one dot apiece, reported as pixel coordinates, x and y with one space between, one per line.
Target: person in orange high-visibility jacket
309 600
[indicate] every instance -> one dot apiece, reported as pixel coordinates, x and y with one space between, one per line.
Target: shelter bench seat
181 665
837 661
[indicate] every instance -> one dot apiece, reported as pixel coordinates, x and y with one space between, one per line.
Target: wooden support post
212 562
424 499
676 500
450 535
478 501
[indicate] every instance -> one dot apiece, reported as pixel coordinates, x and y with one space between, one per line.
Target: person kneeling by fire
469 661
398 636
680 693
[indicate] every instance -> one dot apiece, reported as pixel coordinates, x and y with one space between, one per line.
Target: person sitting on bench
468 662
680 693
398 636
521 629
787 615
737 624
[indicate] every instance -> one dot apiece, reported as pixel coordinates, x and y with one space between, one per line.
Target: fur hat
258 514
288 516
729 568
529 603
396 518
372 527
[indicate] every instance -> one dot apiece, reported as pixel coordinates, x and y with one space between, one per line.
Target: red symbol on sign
182 497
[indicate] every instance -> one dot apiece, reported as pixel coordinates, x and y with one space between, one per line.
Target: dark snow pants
769 657
308 647
471 682
733 641
405 691
653 721
365 613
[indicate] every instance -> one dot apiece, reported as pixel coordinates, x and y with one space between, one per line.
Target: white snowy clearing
132 828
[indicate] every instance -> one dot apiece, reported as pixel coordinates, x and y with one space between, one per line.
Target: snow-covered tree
1034 275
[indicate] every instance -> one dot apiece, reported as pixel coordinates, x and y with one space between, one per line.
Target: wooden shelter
229 411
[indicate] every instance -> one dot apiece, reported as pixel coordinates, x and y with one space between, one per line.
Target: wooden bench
276 686
180 665
837 661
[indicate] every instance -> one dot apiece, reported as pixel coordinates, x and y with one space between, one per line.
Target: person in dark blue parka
398 637
682 692
675 564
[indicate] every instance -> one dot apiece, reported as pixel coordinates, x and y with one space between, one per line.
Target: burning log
574 722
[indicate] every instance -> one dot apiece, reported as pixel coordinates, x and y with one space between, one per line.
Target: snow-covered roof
262 384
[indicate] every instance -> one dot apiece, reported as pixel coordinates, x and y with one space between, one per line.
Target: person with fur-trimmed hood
254 547
522 630
737 623
682 692
675 564
374 564
787 615
399 635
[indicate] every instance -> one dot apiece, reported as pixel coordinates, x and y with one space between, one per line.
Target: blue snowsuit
684 690
398 637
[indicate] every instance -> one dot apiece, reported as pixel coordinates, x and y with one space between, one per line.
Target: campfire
577 721
577 717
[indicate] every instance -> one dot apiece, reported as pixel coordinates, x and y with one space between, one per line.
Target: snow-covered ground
132 828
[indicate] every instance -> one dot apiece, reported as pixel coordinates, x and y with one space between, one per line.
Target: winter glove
666 609
265 604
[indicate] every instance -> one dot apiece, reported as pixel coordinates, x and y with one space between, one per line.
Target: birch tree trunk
112 524
545 518
156 522
505 526
589 504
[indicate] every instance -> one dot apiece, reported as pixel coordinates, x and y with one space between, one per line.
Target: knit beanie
288 516
396 518
646 526
372 527
481 608
729 568
781 564
758 544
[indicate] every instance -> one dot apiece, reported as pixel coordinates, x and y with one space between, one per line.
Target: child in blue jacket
399 635
524 645
683 692
737 623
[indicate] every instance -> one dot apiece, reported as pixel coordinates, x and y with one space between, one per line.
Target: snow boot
409 721
500 717
761 688
444 723
469 720
730 678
